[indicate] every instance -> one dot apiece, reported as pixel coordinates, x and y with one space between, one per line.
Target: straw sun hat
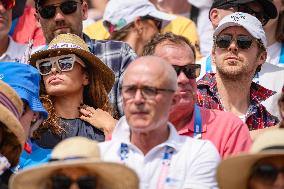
73 44
77 152
11 108
234 172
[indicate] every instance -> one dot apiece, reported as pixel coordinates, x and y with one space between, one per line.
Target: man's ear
213 55
262 57
215 17
85 10
176 99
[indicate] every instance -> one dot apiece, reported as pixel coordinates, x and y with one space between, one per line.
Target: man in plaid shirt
61 16
238 52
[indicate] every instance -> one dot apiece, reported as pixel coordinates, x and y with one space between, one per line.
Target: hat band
67 158
273 148
9 104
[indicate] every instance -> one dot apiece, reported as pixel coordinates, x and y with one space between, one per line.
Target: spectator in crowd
133 21
274 30
25 80
72 78
95 11
262 168
269 76
229 134
61 16
238 52
144 139
10 51
76 163
12 137
25 26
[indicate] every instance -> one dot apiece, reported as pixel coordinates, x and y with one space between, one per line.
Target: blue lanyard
208 65
197 122
13 26
167 157
281 59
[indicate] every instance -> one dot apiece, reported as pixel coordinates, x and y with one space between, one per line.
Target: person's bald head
154 67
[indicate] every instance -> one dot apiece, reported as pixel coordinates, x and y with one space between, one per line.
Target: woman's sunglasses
64 182
8 4
67 7
266 173
192 71
64 63
224 41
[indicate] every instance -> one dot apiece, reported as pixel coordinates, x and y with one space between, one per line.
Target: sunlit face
63 23
5 20
59 83
180 55
264 182
144 115
234 62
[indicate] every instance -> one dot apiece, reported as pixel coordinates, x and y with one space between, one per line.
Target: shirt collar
121 133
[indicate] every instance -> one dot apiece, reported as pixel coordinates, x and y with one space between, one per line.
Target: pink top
226 131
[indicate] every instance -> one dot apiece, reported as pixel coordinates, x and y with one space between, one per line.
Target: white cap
120 13
247 21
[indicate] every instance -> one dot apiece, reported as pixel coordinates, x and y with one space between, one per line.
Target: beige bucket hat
77 152
234 172
73 44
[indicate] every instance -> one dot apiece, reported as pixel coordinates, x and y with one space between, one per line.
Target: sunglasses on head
64 182
64 63
8 4
192 71
67 7
266 173
242 41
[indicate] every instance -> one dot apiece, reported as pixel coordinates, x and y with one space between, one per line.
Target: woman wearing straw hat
12 137
76 163
72 79
262 168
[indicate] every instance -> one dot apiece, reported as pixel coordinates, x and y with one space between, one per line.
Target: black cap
268 7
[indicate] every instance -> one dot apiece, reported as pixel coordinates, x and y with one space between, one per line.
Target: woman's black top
72 127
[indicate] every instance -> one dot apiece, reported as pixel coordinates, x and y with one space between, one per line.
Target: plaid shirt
116 55
257 116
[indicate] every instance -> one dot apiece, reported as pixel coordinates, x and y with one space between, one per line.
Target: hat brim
13 124
110 175
104 73
234 172
162 16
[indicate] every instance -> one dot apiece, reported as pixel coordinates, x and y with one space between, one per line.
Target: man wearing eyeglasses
269 76
10 51
66 16
144 139
229 134
239 50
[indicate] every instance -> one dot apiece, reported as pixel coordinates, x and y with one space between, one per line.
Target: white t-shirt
273 54
193 163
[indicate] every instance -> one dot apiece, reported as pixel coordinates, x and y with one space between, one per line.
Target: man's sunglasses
67 7
64 63
192 71
224 41
64 182
266 173
8 4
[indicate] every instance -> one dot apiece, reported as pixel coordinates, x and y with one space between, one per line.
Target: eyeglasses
64 63
224 41
266 173
8 4
157 22
129 91
64 182
67 7
192 71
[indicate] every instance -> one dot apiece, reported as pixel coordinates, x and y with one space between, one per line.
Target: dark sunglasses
224 41
266 173
67 7
192 71
157 22
8 4
64 182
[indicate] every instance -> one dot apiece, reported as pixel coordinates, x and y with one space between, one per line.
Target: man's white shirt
193 164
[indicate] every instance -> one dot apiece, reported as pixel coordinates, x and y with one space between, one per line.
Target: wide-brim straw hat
73 44
11 108
108 174
234 172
